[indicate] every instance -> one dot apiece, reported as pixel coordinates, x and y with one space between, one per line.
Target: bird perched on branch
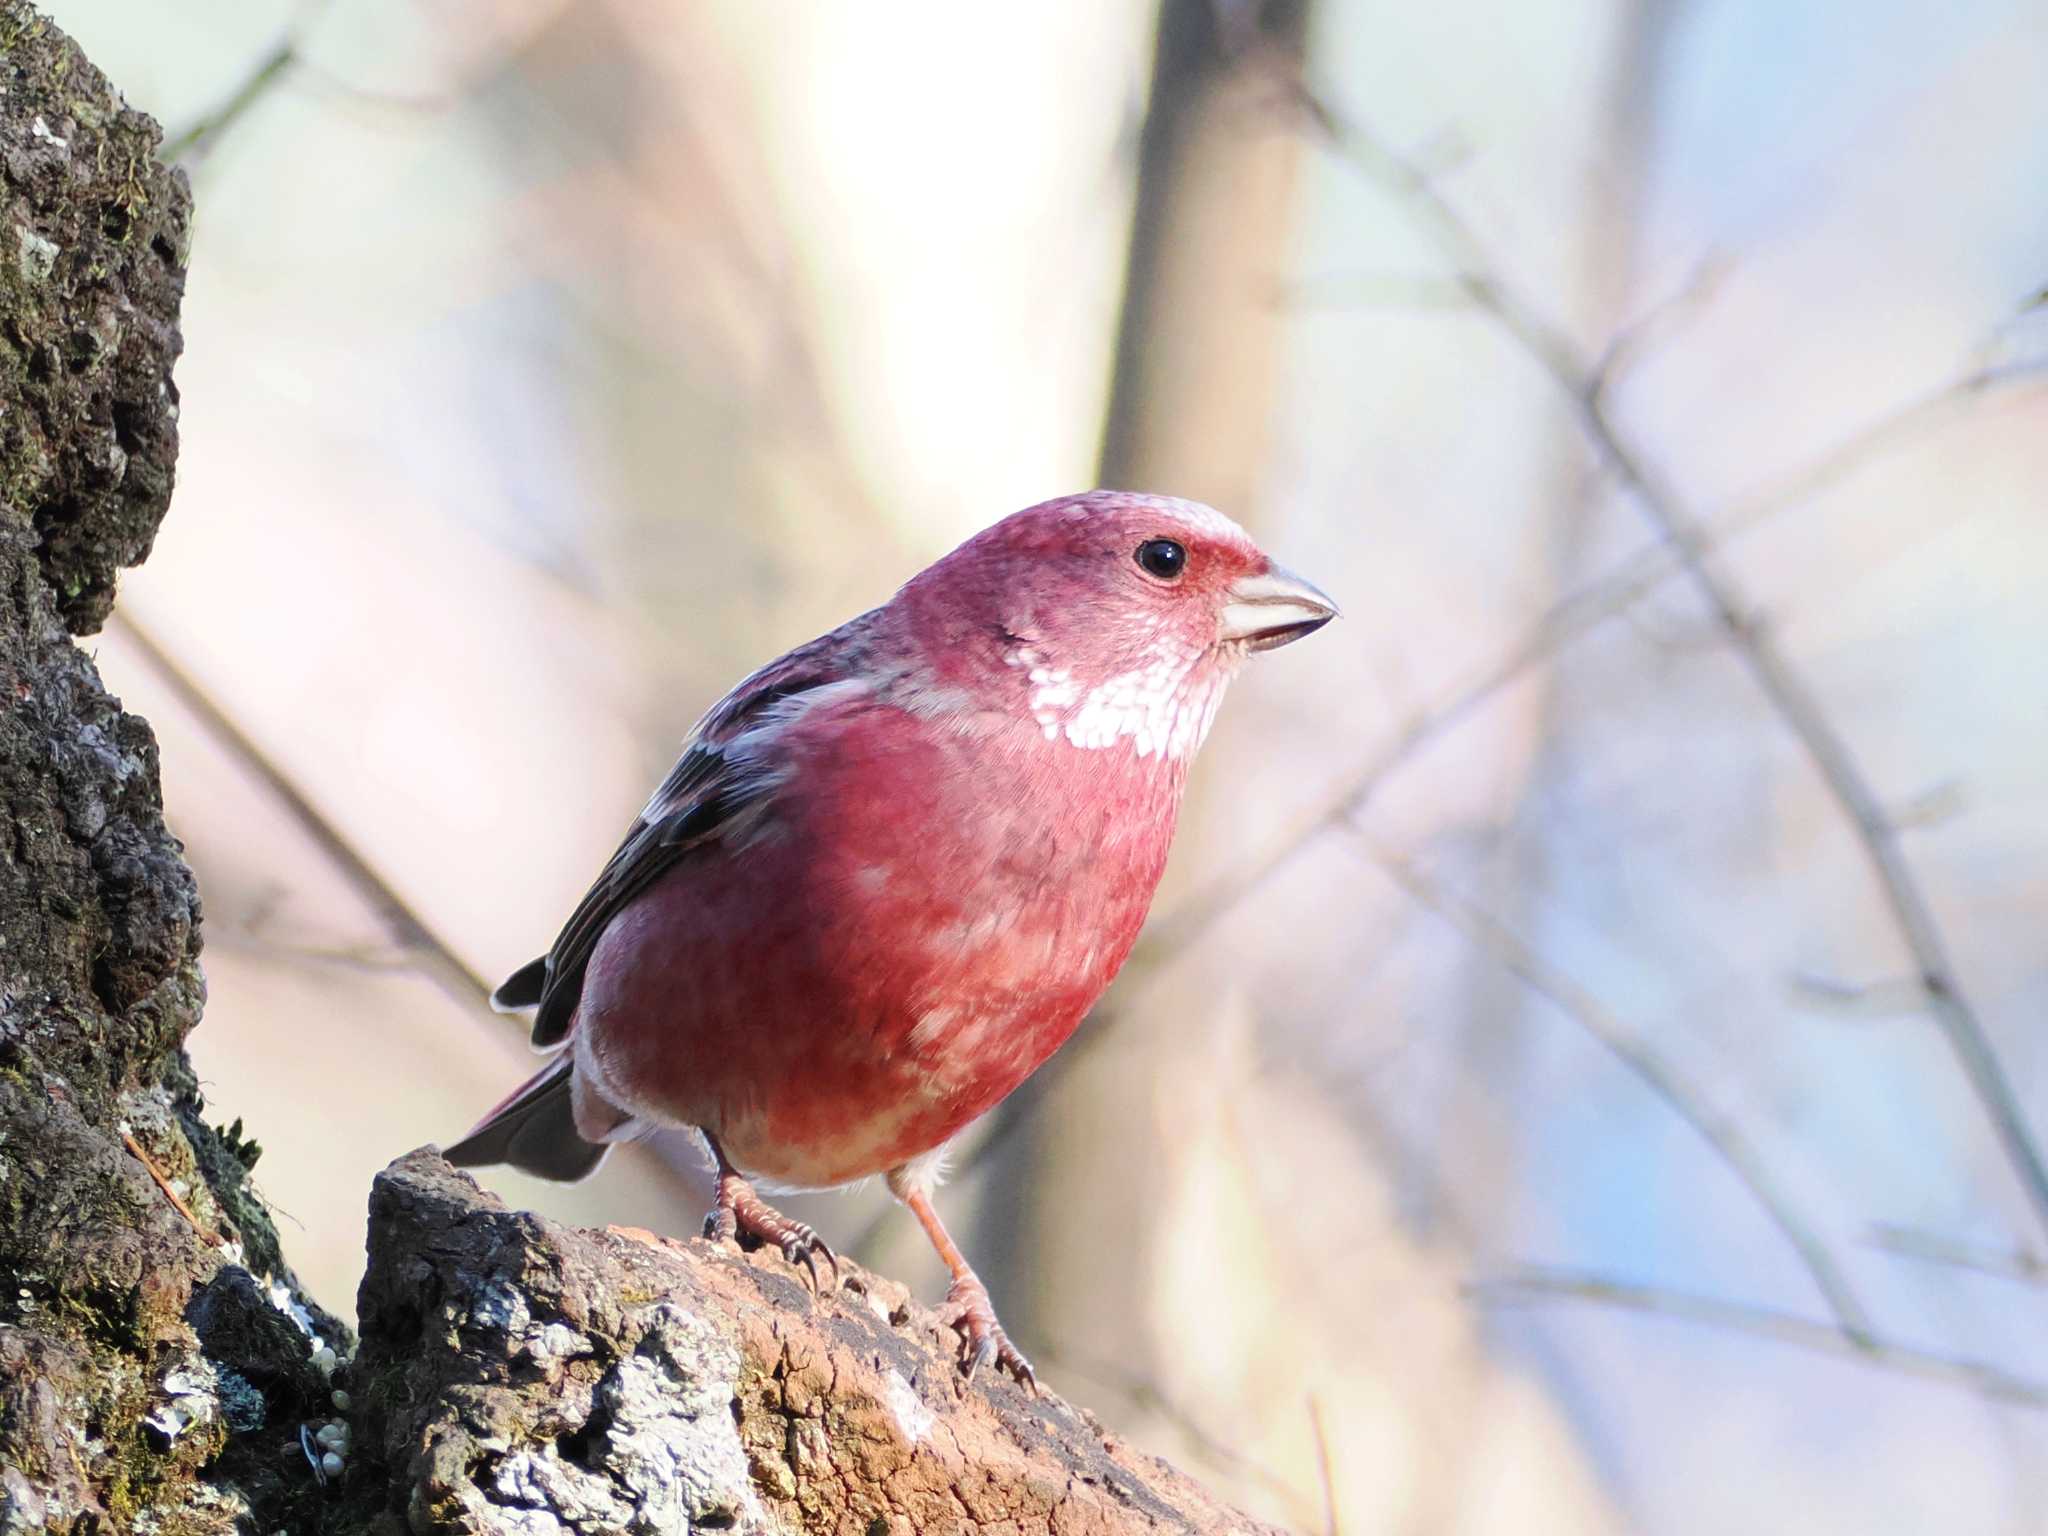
892 870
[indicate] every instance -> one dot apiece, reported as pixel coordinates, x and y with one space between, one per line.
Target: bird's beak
1272 609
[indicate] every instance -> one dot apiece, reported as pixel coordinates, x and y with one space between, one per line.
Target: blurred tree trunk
1197 358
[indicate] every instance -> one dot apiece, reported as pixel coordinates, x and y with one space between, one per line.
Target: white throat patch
1161 705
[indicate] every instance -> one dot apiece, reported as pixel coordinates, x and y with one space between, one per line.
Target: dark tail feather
534 1130
522 989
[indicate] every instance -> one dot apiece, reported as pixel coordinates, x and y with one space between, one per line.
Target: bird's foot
741 1212
982 1340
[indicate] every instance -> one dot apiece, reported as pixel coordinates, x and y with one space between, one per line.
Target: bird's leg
982 1340
739 1208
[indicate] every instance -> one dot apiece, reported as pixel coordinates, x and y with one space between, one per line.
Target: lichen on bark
92 266
121 1350
518 1376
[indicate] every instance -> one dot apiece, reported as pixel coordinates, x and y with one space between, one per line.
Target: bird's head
1112 617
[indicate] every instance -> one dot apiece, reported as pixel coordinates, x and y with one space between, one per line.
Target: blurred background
1586 1069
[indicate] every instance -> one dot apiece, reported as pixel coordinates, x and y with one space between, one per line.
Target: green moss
243 1149
18 25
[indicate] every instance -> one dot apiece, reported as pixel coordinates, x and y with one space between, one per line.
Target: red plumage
893 870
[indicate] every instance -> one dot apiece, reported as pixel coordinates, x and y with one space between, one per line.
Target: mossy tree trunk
139 1367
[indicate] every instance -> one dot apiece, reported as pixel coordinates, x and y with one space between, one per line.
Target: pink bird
893 870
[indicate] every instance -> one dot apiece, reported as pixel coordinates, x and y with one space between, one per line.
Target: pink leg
982 1340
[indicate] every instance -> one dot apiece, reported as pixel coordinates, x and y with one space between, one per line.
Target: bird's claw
982 1340
803 1245
750 1216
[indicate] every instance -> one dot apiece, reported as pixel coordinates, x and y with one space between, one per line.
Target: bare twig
1639 337
369 959
405 924
199 134
1167 936
171 1194
1533 1284
1315 1421
1781 682
286 58
1889 997
1371 290
1917 413
1932 807
1653 1070
2018 1264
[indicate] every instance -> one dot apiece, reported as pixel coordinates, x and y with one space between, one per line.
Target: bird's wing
723 780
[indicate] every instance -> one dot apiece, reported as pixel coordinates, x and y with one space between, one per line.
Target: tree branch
1654 1071
199 134
2016 1264
408 928
1534 1284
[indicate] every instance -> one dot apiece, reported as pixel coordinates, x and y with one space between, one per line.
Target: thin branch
367 959
1934 806
1315 1420
1634 341
1908 418
1781 682
1890 997
288 57
1533 1284
2016 1264
1653 1070
1370 290
404 922
1167 936
170 1190
199 134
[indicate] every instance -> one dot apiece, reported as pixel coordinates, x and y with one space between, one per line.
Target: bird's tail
534 1130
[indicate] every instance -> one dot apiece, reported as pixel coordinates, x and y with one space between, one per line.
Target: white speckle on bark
36 258
556 1341
912 1417
660 1451
501 1309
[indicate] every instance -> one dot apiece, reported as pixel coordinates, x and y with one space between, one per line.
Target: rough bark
160 1368
131 1355
520 1376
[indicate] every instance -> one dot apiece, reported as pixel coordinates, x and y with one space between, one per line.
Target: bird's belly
851 991
871 1103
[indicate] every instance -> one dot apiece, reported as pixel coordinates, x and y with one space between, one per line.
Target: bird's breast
928 914
990 889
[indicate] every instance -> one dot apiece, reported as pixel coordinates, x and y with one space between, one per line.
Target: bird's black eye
1164 558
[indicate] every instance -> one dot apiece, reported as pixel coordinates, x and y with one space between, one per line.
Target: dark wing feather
704 794
652 848
522 989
